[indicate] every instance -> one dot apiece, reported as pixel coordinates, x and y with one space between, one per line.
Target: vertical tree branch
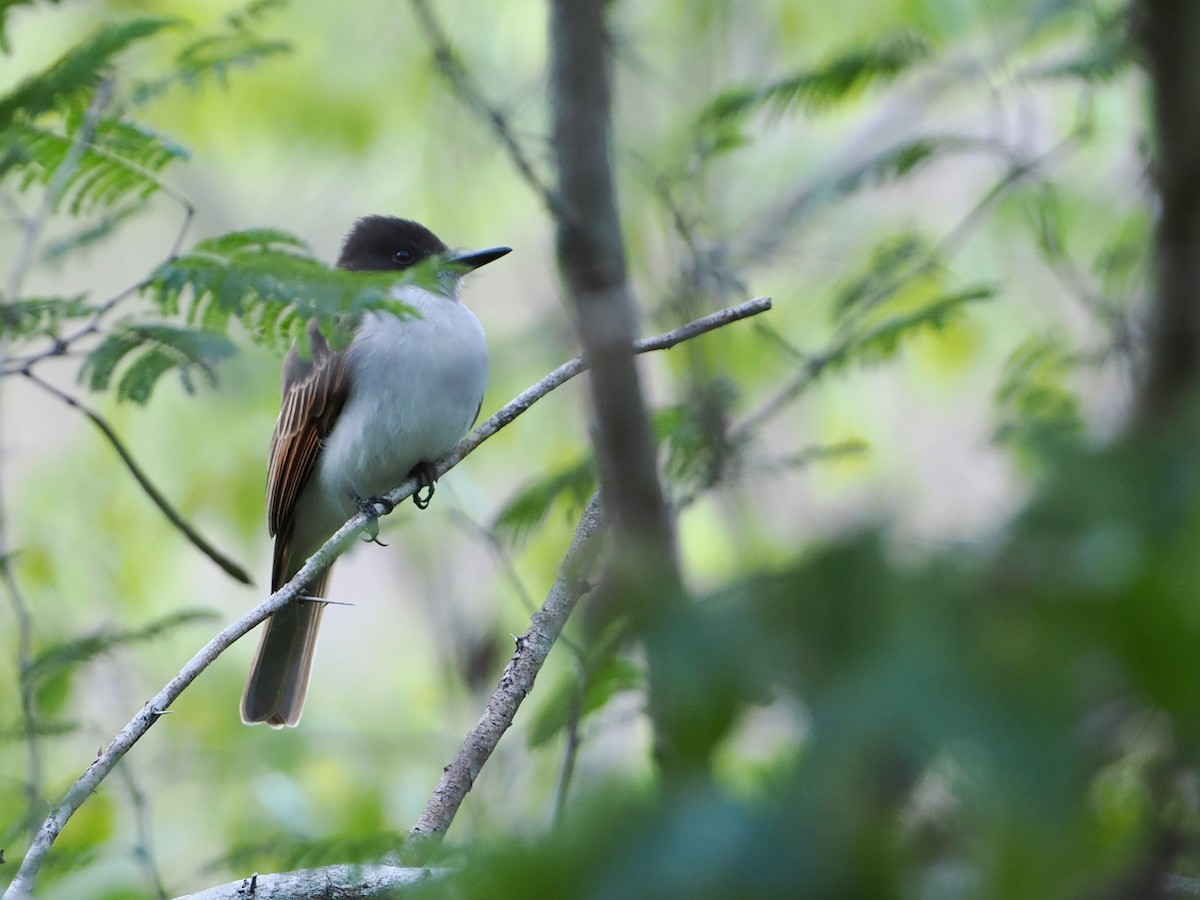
1170 35
642 578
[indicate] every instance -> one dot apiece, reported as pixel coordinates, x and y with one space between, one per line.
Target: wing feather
314 392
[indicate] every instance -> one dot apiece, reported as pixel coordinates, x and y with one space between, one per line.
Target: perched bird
357 422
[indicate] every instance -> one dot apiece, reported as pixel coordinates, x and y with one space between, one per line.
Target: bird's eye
402 256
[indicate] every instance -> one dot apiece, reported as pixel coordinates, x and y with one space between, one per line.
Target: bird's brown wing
314 392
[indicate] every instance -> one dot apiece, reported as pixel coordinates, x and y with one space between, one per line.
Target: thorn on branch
307 598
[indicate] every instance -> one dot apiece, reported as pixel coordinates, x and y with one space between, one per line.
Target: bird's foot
374 507
426 474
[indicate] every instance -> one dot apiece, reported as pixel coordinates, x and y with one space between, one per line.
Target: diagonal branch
517 681
230 567
469 93
22 884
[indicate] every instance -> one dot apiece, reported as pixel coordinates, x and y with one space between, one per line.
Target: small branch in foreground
143 850
532 648
22 884
346 882
571 751
230 567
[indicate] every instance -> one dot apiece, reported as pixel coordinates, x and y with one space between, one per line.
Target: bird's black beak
477 258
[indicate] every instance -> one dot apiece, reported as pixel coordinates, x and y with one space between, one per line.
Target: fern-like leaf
614 675
61 657
76 73
122 160
881 341
147 352
215 55
33 316
530 506
1037 410
266 280
842 78
1109 53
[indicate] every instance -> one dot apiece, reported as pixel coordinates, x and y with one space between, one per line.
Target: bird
354 423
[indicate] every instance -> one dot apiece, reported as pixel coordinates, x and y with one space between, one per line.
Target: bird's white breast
416 385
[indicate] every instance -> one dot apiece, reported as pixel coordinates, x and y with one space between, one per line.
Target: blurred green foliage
943 623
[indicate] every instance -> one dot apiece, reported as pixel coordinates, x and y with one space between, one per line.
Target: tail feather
278 681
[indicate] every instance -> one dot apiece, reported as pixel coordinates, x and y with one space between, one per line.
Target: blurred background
987 192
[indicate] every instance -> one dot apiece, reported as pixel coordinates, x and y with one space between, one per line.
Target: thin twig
227 565
143 850
508 567
502 557
532 648
571 751
465 87
22 884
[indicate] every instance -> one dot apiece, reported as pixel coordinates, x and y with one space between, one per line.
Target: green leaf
1038 413
32 316
1107 55
148 352
532 503
906 158
891 261
250 241
1121 263
614 675
77 72
121 160
842 78
266 280
215 55
64 656
694 433
881 341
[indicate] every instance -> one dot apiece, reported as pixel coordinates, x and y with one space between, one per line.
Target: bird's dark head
385 244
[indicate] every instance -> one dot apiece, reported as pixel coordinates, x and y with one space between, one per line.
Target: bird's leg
374 506
426 474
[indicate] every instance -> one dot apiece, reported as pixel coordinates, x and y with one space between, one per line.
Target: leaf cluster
812 90
49 671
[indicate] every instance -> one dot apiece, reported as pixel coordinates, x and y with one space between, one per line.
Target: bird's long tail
278 679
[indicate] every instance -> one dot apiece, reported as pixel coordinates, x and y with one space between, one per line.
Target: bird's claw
424 472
